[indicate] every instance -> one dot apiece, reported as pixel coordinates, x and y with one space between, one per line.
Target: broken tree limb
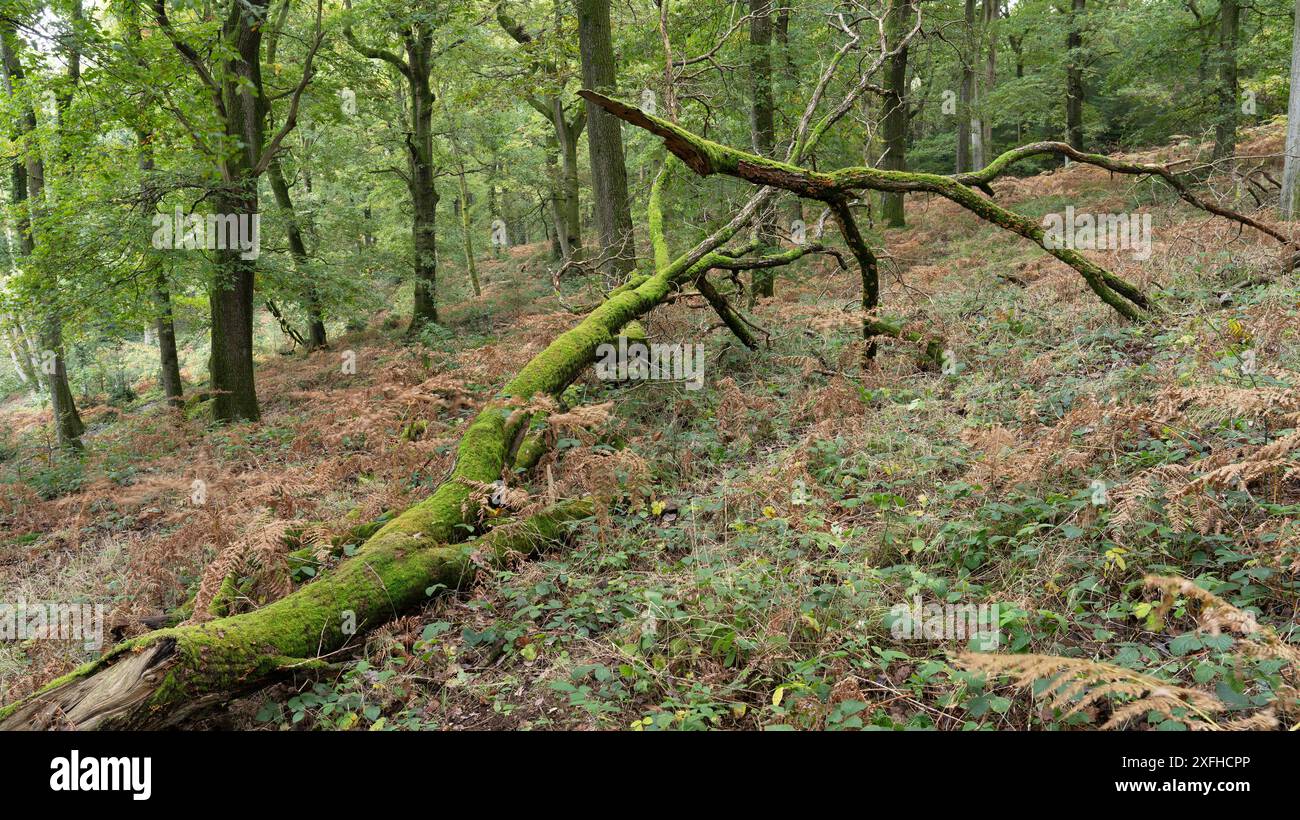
730 317
707 157
868 267
1000 165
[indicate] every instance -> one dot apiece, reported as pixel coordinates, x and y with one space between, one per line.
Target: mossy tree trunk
897 113
762 127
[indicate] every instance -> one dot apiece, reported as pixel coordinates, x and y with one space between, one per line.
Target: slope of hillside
755 538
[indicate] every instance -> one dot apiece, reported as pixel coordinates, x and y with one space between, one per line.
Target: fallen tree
837 188
163 677
170 674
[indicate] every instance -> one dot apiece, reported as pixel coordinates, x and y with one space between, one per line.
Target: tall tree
284 201
897 115
762 128
789 81
1289 204
1074 90
1225 123
28 194
567 125
169 368
416 32
990 9
966 94
605 140
239 103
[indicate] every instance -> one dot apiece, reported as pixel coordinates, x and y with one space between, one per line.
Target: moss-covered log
163 677
931 355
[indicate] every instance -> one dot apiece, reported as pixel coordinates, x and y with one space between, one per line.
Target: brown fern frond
1075 683
1215 615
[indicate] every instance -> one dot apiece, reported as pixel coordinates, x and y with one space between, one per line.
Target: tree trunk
231 294
466 237
424 197
605 141
762 129
556 233
1074 90
298 251
990 78
169 372
896 108
570 223
789 76
1018 50
21 352
418 41
966 98
28 194
1225 125
1289 204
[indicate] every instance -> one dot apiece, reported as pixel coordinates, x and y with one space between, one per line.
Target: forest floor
755 535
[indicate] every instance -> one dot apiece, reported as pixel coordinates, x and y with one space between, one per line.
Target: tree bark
896 107
966 94
424 196
605 141
231 294
1074 89
28 194
466 237
567 131
789 76
990 78
169 362
169 370
1289 204
1225 125
762 128
415 68
20 351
